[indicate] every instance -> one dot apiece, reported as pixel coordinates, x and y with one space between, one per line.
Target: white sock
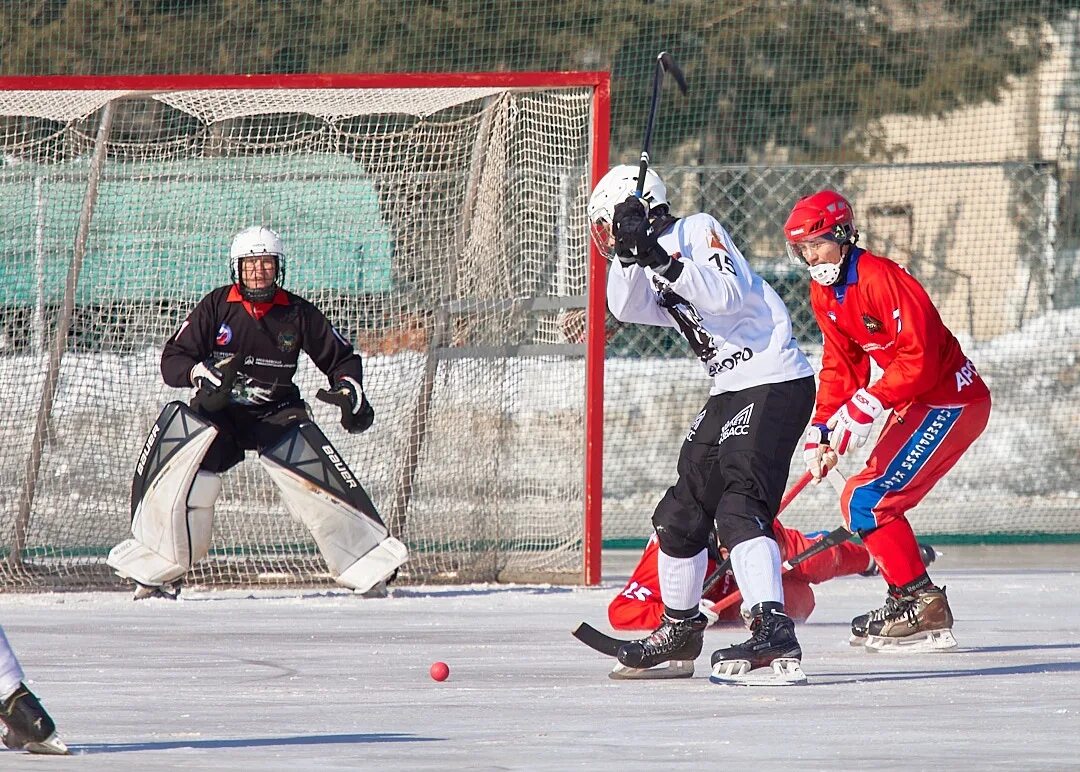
681 579
756 564
11 675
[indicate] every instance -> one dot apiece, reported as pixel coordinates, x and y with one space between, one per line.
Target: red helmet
823 214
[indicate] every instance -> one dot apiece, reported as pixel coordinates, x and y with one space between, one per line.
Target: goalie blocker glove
357 414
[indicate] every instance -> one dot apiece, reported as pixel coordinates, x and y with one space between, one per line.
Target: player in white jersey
23 720
686 273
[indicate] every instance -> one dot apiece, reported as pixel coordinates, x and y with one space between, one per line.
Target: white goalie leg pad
179 543
173 521
378 564
358 550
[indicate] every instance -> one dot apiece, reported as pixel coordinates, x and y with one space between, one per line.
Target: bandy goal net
437 220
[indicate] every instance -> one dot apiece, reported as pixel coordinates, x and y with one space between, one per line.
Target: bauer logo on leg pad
346 473
177 428
305 451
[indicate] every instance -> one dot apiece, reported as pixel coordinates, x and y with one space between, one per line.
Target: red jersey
639 605
881 311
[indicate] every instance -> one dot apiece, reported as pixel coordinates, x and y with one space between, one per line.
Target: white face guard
825 274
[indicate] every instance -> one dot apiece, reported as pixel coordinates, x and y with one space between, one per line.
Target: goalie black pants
241 428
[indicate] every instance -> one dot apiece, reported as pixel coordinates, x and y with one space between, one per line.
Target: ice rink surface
299 680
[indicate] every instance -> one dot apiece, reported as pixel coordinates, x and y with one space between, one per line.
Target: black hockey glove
357 414
634 237
214 381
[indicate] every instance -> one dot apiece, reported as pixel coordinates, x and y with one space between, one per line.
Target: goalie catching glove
357 414
214 381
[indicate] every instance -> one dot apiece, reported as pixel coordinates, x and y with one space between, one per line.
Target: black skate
166 591
27 726
929 555
920 620
773 650
676 642
861 623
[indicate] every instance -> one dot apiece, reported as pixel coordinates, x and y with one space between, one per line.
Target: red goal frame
599 81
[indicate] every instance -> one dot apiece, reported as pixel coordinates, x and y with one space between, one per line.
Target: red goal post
438 218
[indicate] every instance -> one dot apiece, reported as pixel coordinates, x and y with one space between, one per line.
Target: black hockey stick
664 64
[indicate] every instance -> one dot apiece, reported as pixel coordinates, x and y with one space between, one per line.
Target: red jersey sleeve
845 367
913 322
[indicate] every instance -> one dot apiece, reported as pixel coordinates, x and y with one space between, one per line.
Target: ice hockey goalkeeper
239 349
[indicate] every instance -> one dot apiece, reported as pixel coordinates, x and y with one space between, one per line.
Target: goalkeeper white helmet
257 241
613 188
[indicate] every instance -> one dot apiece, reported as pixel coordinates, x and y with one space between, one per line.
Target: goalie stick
609 645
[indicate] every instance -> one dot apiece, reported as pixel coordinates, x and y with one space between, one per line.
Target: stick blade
667 61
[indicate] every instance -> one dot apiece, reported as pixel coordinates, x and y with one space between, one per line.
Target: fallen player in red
639 605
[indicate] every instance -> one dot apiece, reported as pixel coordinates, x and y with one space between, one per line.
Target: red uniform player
639 606
868 307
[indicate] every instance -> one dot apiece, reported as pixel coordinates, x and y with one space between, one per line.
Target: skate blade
784 671
676 668
930 641
857 640
51 746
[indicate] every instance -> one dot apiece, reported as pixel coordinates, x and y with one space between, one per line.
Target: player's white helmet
257 241
613 188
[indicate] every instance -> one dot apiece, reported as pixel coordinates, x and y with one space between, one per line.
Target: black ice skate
861 623
27 726
676 643
167 591
917 621
772 656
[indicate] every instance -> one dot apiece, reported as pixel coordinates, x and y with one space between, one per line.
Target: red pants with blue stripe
913 452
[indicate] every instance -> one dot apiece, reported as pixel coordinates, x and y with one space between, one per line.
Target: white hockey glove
851 424
357 414
818 453
705 607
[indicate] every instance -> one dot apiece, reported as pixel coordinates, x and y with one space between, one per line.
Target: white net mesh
442 230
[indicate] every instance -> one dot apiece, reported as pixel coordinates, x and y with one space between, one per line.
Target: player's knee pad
320 490
171 500
682 531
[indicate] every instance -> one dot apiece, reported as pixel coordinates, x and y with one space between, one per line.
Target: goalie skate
785 671
674 668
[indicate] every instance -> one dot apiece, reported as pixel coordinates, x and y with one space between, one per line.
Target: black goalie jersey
267 336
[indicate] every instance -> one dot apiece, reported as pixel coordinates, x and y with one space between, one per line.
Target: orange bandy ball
440 671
